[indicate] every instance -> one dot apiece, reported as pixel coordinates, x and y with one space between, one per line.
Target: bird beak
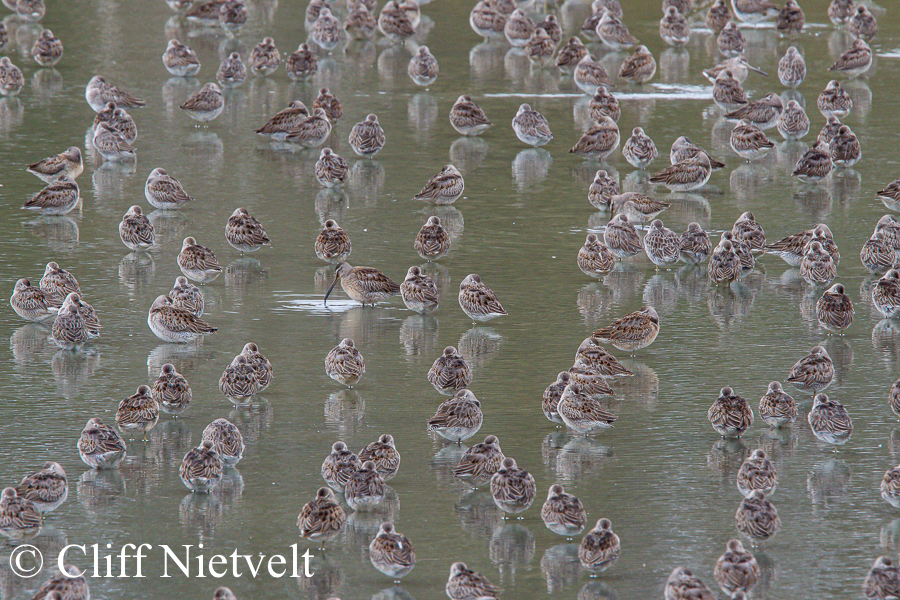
760 71
333 283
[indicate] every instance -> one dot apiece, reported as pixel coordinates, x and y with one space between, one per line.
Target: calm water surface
662 475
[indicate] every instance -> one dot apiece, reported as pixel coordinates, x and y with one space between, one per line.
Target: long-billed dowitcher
682 584
790 18
591 352
284 121
227 440
757 473
834 310
604 187
685 175
886 294
164 192
171 390
599 141
391 552
59 166
100 446
594 258
600 548
621 237
817 267
332 243
367 137
365 488
136 230
19 517
47 49
322 518
198 262
432 241
450 372
863 23
11 78
845 148
172 324
591 378
419 292
443 188
694 245
776 407
793 122
829 420
633 331
232 71
383 453
662 245
339 465
205 104
834 100
239 381
363 284
814 372
563 513
581 412
531 127
890 487
603 103
264 58
47 489
468 118
244 233
331 168
423 67
882 580
639 149
737 65
756 517
590 75
345 364
736 570
311 131
458 418
187 296
466 584
180 60
31 302
480 462
302 63
478 301
730 415
69 331
730 40
513 488
201 468
138 413
570 54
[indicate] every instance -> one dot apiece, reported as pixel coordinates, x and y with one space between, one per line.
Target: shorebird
363 284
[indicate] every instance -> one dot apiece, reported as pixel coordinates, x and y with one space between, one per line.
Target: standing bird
423 67
563 513
66 164
69 330
232 70
594 258
613 32
793 122
177 325
345 364
239 381
817 267
363 284
450 372
187 296
602 189
571 53
47 49
834 310
57 283
863 24
599 141
47 489
603 103
845 148
100 446
590 75
244 233
662 245
227 441
480 461
762 113
840 11
467 118
855 61
205 104
110 144
776 407
302 63
136 230
19 517
682 584
139 413
531 127
639 149
834 100
391 553
458 418
284 121
829 420
728 93
757 473
365 489
749 142
98 93
553 394
683 148
311 131
518 28
383 452
331 168
756 517
890 487
540 47
685 175
791 68
694 245
814 372
326 30
58 198
466 584
886 294
513 488
730 40
754 11
633 331
339 465
600 548
32 303
330 104
882 580
419 292
877 255
260 364
394 23
737 569
790 18
746 229
332 243
197 262
265 58
11 78
367 137
486 20
674 28
444 188
201 468
639 67
322 518
581 411
164 192
171 390
718 16
730 415
478 301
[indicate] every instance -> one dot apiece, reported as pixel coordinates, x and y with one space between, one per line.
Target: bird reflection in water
845 186
512 548
110 179
367 324
725 459
468 153
141 469
486 60
530 167
48 83
74 370
729 306
579 457
362 526
168 225
185 357
327 579
12 114
59 233
366 181
344 411
889 536
478 513
332 203
201 515
597 590
99 490
661 293
170 440
479 345
418 335
560 567
205 149
445 460
827 483
643 387
245 272
779 443
31 343
252 419
136 270
886 340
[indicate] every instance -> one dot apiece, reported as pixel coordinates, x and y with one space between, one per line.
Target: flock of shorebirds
576 398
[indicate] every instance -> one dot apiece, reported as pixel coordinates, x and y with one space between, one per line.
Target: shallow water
662 475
